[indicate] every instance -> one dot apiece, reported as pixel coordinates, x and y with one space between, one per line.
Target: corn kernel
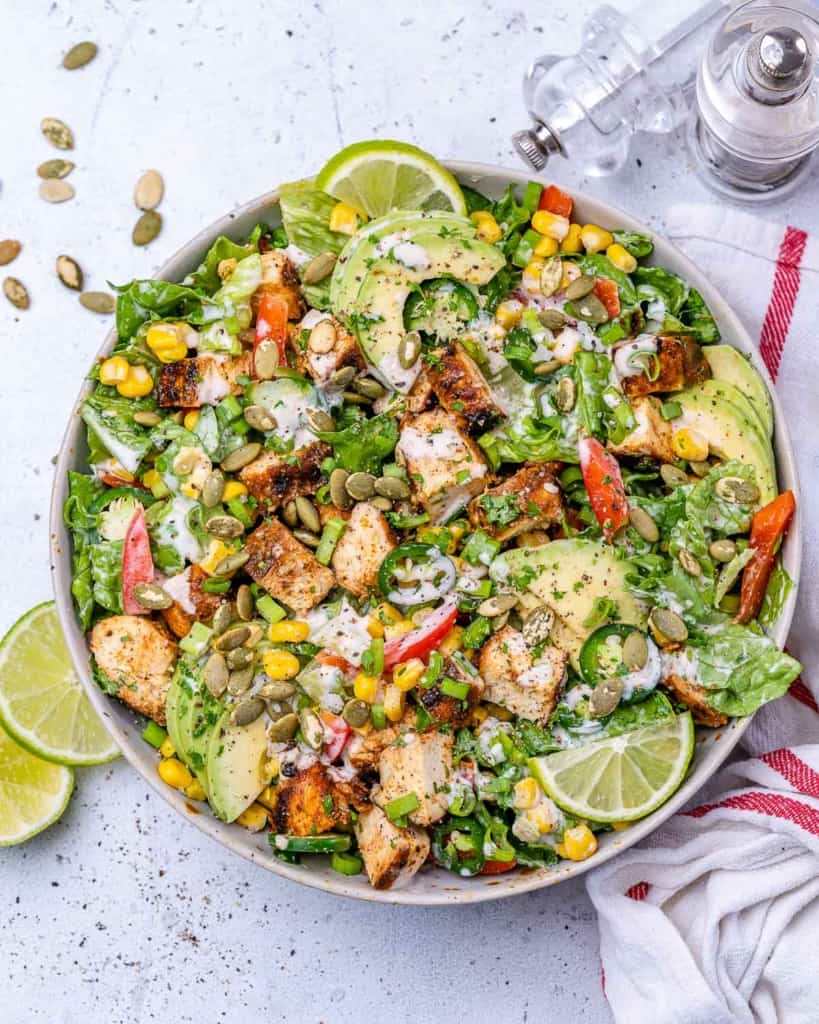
254 819
621 258
387 613
280 664
267 798
374 627
578 843
547 247
233 489
137 384
394 703
479 714
531 275
114 370
190 490
595 238
488 228
217 550
543 817
527 794
508 314
407 674
365 687
288 632
344 218
174 773
225 267
152 479
550 224
195 791
571 243
690 444
191 419
119 471
396 629
272 768
167 749
165 342
452 642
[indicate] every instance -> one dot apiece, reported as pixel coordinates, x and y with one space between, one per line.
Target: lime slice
621 778
33 793
379 176
42 702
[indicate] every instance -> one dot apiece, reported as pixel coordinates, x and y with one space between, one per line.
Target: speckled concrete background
122 913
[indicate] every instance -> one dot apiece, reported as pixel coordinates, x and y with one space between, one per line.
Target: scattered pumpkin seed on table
55 168
149 190
55 190
147 228
15 291
98 302
57 132
70 273
9 251
80 55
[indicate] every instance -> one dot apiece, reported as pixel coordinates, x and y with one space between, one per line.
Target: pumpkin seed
338 488
311 728
239 658
551 276
369 388
644 524
256 634
497 605
284 729
673 476
353 398
319 268
146 418
70 273
552 319
213 488
215 674
737 490
149 190
605 697
57 132
225 527
80 55
186 461
537 626
700 468
9 250
542 369
392 487
356 713
381 503
245 605
689 563
147 228
566 395
55 168
247 711
15 292
499 621
342 377
55 190
318 420
231 638
230 564
409 349
290 514
667 626
150 595
635 651
591 310
98 302
240 680
322 337
580 287
360 486
722 550
306 538
222 618
266 360
308 514
241 457
277 689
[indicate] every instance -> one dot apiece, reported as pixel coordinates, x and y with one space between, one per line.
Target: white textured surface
121 912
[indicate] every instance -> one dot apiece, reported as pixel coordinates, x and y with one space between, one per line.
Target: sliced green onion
197 640
229 408
377 652
401 806
238 509
330 536
154 734
378 716
346 863
214 586
480 549
452 688
330 842
270 609
433 672
240 427
464 663
670 410
393 469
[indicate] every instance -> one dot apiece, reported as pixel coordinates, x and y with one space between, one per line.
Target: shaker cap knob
778 60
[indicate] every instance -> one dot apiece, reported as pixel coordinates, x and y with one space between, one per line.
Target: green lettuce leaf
598 265
363 446
106 574
638 245
306 217
143 301
206 277
82 492
111 418
779 588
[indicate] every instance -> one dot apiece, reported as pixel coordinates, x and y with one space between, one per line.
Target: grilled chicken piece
443 708
533 491
651 436
690 693
514 679
322 365
137 654
279 277
201 380
177 618
362 548
273 479
311 801
392 855
285 568
680 363
445 465
421 395
364 750
461 387
419 763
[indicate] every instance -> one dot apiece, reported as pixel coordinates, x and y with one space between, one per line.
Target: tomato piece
498 867
609 294
555 200
767 527
336 661
112 480
419 642
601 475
271 323
137 564
336 734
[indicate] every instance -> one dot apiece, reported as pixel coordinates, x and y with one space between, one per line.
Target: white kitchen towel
715 918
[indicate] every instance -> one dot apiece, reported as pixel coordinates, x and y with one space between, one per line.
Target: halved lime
378 176
621 778
33 793
42 702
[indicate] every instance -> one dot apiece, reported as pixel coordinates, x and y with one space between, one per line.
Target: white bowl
432 885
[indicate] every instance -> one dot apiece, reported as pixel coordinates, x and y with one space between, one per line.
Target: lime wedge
621 778
33 793
378 176
42 702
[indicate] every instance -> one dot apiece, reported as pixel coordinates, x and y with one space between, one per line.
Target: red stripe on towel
769 804
639 891
779 313
800 692
794 770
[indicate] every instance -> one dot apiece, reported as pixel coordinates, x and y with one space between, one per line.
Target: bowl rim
237 841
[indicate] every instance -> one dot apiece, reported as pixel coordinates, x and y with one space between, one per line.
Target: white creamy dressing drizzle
416 444
214 385
179 588
624 363
311 318
575 695
173 529
344 633
680 663
488 743
296 255
645 678
405 251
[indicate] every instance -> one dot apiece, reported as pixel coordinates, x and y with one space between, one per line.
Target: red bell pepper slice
137 564
767 527
555 200
112 480
609 294
601 475
271 323
336 661
498 867
419 642
336 734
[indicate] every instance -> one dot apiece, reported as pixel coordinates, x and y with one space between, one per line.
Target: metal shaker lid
780 63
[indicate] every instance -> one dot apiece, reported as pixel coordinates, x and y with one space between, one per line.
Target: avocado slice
567 575
236 757
191 713
731 366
